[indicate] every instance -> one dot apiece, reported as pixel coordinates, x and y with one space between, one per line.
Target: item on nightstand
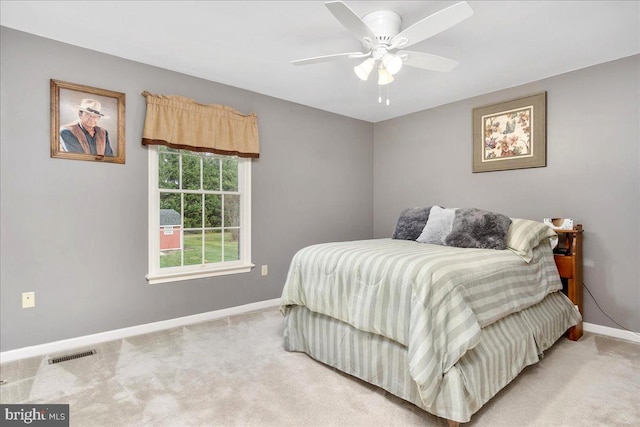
562 251
559 223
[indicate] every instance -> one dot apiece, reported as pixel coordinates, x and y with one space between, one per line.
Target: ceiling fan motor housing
385 24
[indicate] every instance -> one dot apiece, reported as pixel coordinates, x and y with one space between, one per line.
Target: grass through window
193 249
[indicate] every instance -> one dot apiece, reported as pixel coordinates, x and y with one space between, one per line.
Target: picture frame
87 123
510 135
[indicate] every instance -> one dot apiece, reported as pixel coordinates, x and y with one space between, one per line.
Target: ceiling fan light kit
384 76
364 69
392 63
381 36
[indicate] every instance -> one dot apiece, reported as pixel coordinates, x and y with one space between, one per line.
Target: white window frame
172 274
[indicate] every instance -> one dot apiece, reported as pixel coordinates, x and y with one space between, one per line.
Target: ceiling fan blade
433 24
350 20
327 58
427 61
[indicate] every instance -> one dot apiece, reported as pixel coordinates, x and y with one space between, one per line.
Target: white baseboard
611 332
89 340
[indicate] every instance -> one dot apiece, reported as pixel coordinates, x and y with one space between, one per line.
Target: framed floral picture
510 135
87 123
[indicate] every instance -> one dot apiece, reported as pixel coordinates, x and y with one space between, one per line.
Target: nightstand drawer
565 266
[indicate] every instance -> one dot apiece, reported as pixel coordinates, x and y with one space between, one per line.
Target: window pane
231 246
192 247
230 174
212 210
211 173
165 149
231 210
168 171
192 211
190 172
170 258
213 246
170 201
170 230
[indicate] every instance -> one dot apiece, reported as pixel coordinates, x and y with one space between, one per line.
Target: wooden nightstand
570 269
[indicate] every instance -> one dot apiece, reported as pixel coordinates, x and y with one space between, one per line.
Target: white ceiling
250 45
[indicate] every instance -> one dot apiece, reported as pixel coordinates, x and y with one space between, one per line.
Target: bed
442 326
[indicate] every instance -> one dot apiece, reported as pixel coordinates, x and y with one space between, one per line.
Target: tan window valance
179 122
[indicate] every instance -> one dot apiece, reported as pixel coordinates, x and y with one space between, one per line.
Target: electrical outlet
265 270
28 299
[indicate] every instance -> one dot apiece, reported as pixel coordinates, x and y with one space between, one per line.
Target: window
199 214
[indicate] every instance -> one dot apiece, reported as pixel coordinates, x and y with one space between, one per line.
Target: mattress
442 327
432 299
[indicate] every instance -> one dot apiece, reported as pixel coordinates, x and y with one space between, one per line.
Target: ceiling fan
381 38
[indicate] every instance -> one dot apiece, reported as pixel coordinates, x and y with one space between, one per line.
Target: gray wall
592 173
75 232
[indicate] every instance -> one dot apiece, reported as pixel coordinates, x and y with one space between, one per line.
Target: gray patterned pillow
475 228
410 223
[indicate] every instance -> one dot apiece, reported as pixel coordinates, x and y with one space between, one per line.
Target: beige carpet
234 372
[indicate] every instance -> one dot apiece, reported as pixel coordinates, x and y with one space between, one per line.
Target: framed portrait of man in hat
87 123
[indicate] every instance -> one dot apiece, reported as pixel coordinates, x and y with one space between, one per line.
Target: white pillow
438 226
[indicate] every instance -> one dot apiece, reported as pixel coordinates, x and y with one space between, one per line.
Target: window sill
198 274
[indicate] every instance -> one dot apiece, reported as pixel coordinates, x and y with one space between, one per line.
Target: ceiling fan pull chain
380 94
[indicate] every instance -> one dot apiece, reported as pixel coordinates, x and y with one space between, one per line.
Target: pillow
410 223
525 235
438 226
475 228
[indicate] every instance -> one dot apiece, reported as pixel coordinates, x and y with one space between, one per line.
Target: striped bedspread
432 299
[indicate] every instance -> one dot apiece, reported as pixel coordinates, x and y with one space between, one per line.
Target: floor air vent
71 357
